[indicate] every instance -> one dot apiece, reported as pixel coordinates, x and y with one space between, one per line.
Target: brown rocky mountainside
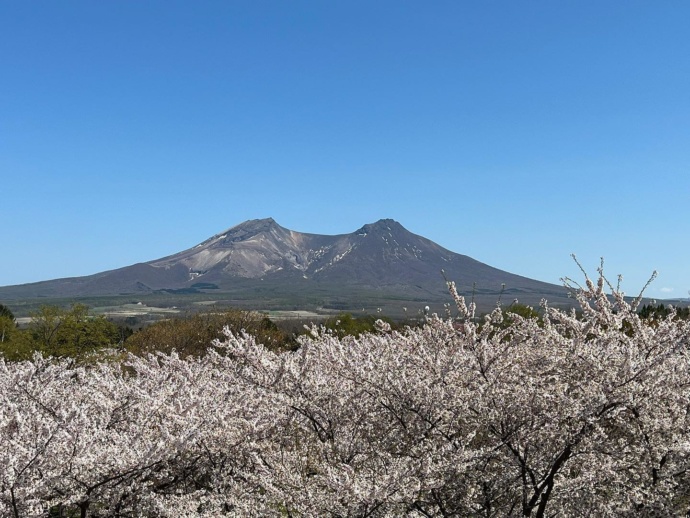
381 261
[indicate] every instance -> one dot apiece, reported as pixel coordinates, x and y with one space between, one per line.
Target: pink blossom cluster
572 414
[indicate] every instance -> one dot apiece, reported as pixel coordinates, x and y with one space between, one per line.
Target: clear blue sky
515 132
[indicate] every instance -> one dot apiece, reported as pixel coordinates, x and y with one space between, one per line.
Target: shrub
192 335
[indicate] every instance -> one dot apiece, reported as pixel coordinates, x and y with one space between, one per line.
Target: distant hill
380 263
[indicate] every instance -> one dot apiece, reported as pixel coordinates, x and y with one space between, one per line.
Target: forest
531 412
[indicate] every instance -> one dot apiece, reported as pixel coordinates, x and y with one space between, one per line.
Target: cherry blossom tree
572 413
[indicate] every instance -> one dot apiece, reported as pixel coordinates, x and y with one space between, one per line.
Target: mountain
380 263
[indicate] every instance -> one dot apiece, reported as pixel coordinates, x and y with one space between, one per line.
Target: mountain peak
382 225
256 225
386 222
253 227
241 232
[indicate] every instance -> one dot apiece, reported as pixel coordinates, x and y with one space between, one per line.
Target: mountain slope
382 259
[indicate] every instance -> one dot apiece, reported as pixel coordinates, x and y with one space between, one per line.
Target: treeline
58 332
77 333
660 311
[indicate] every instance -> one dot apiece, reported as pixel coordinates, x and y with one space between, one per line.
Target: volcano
380 263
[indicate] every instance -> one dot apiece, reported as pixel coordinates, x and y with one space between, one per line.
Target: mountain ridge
383 259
